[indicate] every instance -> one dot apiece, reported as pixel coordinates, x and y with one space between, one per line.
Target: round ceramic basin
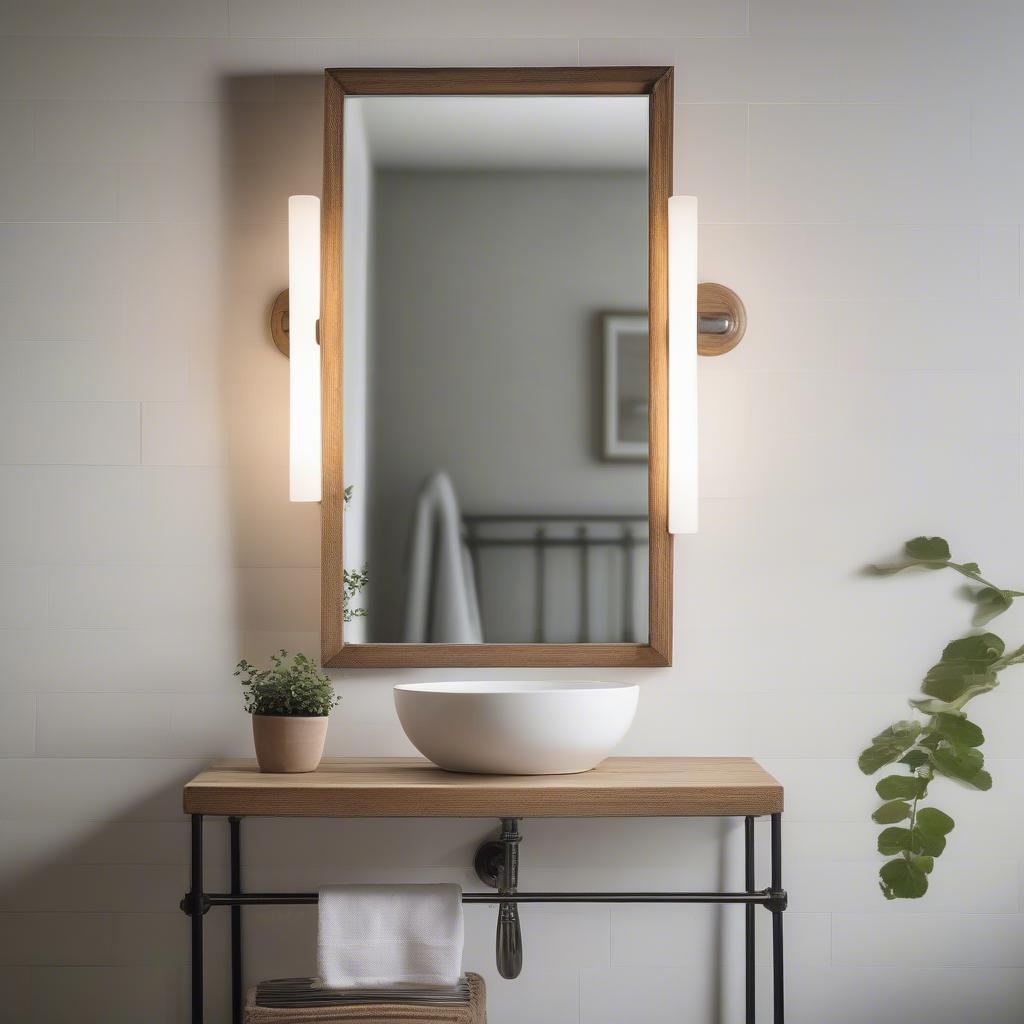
501 728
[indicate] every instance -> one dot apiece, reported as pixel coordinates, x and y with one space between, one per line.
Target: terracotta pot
289 743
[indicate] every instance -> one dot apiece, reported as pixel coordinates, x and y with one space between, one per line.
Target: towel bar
761 897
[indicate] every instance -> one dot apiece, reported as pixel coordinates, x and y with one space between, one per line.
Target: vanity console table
412 788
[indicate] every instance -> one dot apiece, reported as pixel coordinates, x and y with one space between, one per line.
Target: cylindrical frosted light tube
682 365
303 350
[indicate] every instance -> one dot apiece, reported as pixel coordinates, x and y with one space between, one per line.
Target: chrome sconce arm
721 319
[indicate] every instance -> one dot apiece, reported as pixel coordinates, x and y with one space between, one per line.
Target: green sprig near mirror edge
352 581
943 741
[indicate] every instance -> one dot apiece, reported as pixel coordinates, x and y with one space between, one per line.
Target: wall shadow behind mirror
495 368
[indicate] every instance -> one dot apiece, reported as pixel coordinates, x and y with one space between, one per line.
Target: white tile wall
928 940
70 433
860 170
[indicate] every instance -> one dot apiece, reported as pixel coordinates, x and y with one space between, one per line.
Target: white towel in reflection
441 603
372 936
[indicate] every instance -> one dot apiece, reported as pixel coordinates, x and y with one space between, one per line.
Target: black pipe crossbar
763 897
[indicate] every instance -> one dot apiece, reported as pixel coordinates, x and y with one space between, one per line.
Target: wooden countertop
408 787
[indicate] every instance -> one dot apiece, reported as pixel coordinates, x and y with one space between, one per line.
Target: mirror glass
495 366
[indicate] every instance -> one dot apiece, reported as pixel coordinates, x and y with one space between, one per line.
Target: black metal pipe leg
748 956
196 913
778 978
237 1009
508 943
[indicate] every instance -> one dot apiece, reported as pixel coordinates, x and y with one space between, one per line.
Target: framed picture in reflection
626 402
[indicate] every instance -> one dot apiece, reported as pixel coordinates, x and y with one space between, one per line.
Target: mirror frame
656 83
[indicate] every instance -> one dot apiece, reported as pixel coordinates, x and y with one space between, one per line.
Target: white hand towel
441 603
385 935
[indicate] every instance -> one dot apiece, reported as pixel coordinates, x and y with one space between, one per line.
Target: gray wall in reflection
486 362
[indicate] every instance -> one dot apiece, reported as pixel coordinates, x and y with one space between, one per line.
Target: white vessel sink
500 728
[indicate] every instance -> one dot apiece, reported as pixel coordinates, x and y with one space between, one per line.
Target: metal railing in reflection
542 533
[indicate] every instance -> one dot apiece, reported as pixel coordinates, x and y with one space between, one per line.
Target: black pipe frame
197 902
234 825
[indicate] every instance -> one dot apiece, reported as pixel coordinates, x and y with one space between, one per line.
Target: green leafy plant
941 741
288 687
353 582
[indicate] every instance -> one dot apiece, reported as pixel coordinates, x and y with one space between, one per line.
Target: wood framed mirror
494 252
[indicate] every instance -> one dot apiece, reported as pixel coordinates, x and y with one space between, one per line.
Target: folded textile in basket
470 1011
302 992
379 936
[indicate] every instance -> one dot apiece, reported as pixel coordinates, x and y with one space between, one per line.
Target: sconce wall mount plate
722 319
279 323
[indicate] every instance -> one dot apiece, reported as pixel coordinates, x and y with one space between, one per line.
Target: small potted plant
289 704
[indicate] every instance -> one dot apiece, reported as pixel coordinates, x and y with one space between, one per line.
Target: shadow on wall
113 885
272 148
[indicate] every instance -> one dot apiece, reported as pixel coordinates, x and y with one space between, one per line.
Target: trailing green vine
942 741
352 582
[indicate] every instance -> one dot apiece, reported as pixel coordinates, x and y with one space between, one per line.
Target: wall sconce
293 326
704 319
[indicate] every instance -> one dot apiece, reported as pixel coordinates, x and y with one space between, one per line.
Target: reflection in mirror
495 368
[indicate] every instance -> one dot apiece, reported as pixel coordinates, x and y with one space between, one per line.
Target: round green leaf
922 863
901 787
903 880
949 680
887 746
927 549
915 758
895 840
992 602
963 763
958 730
928 844
984 647
895 810
933 822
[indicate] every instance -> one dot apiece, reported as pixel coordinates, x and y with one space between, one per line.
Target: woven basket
473 1012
